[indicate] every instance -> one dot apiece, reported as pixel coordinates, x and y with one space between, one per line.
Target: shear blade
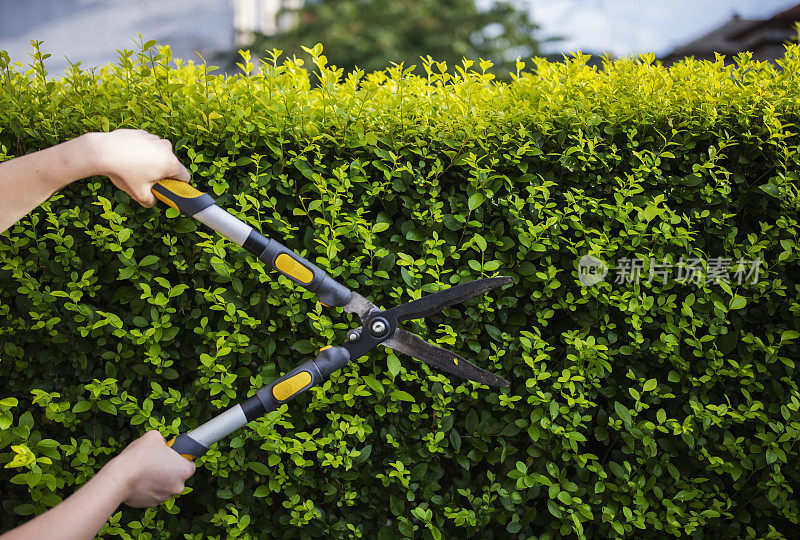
434 303
360 306
441 359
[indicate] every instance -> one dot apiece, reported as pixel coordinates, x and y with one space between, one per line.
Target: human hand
135 160
150 471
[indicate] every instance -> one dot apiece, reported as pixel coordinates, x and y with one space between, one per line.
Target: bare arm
146 473
134 160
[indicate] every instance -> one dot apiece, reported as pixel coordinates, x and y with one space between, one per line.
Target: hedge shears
378 327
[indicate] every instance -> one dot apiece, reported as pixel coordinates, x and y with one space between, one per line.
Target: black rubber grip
271 396
184 444
255 243
252 408
331 359
267 396
268 250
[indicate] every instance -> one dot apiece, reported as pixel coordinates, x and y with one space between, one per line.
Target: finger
167 143
188 469
148 200
179 172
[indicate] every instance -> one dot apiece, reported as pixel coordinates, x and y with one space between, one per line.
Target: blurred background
371 34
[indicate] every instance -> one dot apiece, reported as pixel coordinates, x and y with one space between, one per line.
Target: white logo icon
591 270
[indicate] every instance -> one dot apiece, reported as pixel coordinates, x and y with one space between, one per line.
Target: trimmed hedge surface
637 407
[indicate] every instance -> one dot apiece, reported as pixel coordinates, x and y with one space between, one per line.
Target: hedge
637 407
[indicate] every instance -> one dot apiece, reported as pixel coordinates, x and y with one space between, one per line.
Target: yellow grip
286 389
181 196
190 457
292 267
181 189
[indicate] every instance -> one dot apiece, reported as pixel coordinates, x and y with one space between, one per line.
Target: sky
91 31
630 27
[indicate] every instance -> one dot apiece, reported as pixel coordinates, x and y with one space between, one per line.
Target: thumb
179 172
145 197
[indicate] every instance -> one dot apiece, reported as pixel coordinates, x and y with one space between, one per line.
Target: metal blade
441 359
433 303
360 306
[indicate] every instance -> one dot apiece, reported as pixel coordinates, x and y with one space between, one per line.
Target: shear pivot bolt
353 335
378 328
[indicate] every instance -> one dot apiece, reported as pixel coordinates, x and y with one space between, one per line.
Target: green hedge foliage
636 409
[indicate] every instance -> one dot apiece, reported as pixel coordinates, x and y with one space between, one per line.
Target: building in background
765 38
267 17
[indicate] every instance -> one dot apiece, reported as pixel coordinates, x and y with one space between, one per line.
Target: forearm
28 181
82 514
146 473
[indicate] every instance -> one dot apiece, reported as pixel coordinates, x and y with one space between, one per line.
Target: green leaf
259 468
622 412
393 364
22 457
471 422
24 509
106 407
650 385
82 406
770 190
650 212
305 346
407 277
401 395
455 439
480 241
475 201
491 266
553 410
48 443
737 302
617 470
